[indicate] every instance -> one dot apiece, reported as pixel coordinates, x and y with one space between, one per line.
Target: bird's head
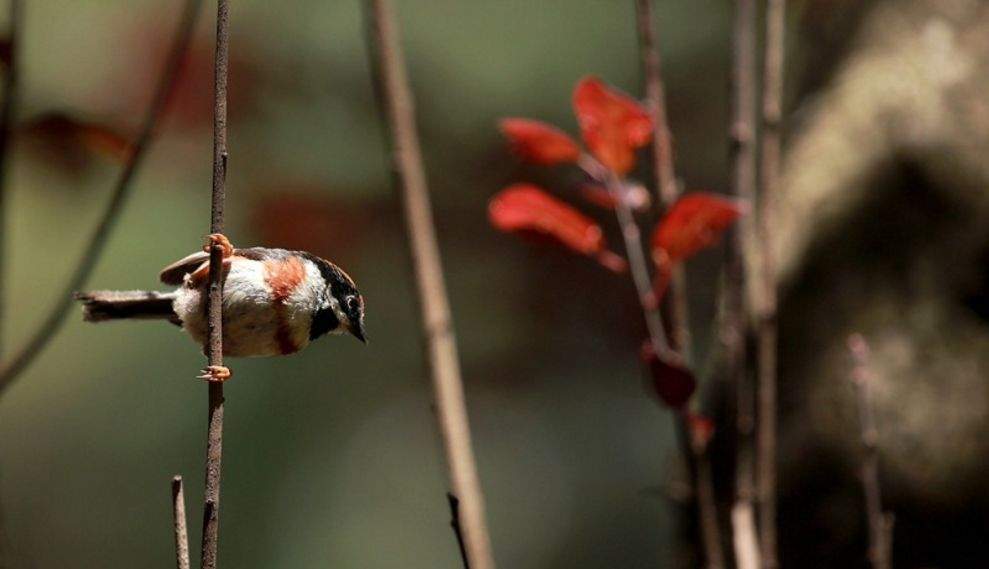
342 309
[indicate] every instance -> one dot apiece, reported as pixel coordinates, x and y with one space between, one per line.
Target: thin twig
8 116
667 188
214 303
455 524
39 340
880 522
678 315
772 114
639 269
178 518
736 318
396 101
697 459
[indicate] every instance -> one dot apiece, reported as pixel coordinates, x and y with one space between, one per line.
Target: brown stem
735 323
697 460
397 105
214 303
178 518
707 510
639 269
17 363
880 522
772 104
667 188
678 314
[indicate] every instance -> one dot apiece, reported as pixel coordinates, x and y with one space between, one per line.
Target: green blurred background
331 456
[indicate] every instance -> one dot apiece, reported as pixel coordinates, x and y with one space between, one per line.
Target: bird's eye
352 303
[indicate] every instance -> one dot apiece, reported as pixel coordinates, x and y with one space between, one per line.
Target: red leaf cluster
613 124
538 142
673 382
525 208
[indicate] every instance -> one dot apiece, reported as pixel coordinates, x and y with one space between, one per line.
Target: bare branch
772 104
678 315
667 188
214 303
736 318
397 105
17 363
178 518
880 522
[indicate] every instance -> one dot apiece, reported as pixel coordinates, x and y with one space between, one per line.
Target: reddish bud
671 380
701 430
696 221
539 142
524 208
612 124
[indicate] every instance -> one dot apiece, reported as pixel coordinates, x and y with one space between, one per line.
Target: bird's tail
103 305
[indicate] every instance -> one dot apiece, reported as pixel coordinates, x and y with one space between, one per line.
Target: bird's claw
221 240
215 374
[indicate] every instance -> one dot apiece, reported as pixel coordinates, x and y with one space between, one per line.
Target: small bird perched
275 301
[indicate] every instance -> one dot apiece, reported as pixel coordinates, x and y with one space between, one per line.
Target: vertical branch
735 324
696 457
8 115
14 365
667 189
214 304
178 518
880 522
772 114
679 315
397 105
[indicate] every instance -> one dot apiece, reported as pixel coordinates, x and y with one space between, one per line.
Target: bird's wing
174 274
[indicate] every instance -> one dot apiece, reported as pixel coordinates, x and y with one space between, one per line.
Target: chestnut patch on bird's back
283 277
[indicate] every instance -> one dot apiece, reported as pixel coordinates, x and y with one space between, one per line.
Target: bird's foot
215 373
220 239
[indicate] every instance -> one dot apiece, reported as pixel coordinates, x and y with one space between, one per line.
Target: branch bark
397 105
17 363
178 518
214 304
772 114
735 322
678 315
880 522
667 188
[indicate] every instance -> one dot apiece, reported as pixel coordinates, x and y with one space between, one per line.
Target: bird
275 301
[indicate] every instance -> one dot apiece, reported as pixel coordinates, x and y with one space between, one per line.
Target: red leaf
526 208
613 124
539 142
694 222
672 382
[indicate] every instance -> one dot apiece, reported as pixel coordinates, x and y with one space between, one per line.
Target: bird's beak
359 332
